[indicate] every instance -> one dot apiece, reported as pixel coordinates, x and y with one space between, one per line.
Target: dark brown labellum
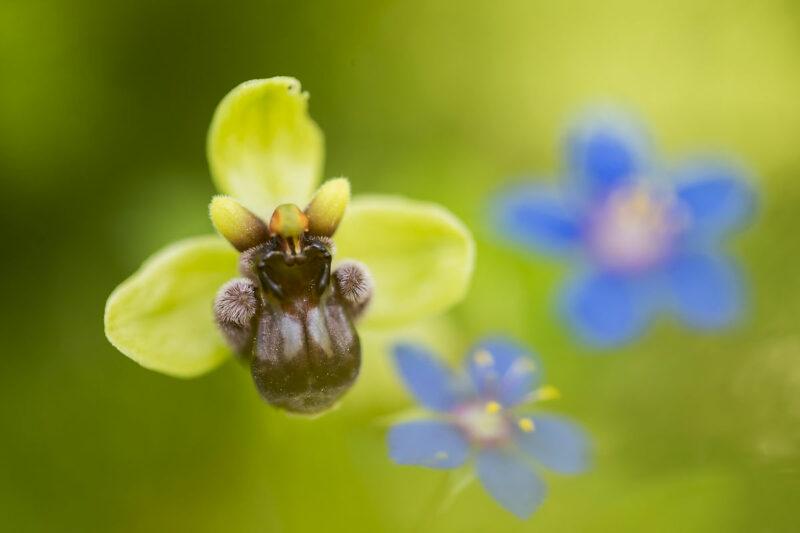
301 344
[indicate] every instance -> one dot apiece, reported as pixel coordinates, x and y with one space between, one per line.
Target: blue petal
607 310
556 443
605 150
428 443
511 482
503 370
429 380
717 196
535 217
706 290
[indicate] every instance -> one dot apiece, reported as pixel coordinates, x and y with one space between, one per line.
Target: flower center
634 229
289 223
484 422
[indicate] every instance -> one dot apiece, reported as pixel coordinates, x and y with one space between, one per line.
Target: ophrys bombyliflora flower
266 154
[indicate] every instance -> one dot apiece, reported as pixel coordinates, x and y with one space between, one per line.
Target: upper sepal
263 148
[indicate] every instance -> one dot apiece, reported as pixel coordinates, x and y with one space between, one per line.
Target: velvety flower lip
644 238
482 411
266 156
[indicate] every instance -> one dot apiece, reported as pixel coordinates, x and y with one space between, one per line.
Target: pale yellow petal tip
526 425
483 358
327 207
288 83
492 407
547 392
237 224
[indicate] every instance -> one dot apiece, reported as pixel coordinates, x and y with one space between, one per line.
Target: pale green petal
162 316
420 255
263 148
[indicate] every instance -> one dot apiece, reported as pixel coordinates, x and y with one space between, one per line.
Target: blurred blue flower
645 239
477 411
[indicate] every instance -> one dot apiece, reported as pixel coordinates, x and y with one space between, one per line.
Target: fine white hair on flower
236 302
354 281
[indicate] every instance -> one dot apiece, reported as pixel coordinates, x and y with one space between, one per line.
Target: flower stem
443 496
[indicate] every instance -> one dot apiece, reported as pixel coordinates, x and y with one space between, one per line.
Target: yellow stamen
483 358
525 424
440 456
547 392
492 407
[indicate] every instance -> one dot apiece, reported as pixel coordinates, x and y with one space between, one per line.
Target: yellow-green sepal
263 148
162 316
420 255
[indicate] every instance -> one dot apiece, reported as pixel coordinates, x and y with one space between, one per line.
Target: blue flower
645 239
481 411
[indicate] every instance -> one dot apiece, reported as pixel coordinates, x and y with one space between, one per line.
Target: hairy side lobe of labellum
292 319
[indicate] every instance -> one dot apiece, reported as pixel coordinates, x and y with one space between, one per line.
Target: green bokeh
104 108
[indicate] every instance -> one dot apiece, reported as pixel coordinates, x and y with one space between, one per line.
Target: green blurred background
103 113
